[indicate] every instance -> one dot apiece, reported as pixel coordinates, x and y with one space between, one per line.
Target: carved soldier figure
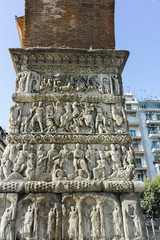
118 116
115 157
21 159
73 224
49 119
41 153
38 117
58 109
15 118
87 116
61 157
95 221
67 116
79 161
6 163
90 155
28 222
30 167
100 121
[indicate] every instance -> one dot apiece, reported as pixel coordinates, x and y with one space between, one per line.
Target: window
133 114
135 146
138 163
140 176
128 107
155 144
133 133
158 116
149 116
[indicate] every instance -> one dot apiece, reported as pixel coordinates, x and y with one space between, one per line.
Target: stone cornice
53 60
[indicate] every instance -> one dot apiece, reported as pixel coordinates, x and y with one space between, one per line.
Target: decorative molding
35 97
120 138
71 186
53 60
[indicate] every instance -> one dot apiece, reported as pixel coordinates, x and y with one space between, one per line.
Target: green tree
150 199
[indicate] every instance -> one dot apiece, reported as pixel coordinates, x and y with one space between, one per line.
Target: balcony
153 121
133 124
141 168
138 153
154 134
156 149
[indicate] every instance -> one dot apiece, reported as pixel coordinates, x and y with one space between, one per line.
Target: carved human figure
67 116
79 163
103 169
30 167
118 116
116 222
87 116
74 127
132 214
90 155
115 157
58 109
6 228
51 230
41 164
61 158
49 119
15 118
6 164
73 224
124 156
28 222
21 159
38 117
95 222
20 81
100 124
75 112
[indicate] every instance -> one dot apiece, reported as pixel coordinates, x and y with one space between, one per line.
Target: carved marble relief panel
91 216
74 117
8 205
32 82
134 226
67 162
39 217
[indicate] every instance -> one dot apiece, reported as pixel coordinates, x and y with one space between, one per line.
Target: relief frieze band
70 138
35 97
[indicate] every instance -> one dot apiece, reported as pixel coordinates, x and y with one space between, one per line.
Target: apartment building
132 110
144 126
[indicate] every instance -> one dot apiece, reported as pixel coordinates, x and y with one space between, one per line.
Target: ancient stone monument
68 171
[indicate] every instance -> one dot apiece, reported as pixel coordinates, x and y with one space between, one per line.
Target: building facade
144 127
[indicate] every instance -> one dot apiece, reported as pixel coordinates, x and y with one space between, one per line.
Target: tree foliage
150 198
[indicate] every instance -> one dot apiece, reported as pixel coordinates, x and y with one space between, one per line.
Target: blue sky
137 29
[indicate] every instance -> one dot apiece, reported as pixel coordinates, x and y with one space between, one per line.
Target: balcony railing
156 149
153 121
154 134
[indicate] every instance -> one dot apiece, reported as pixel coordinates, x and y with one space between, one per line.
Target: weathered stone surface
69 157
